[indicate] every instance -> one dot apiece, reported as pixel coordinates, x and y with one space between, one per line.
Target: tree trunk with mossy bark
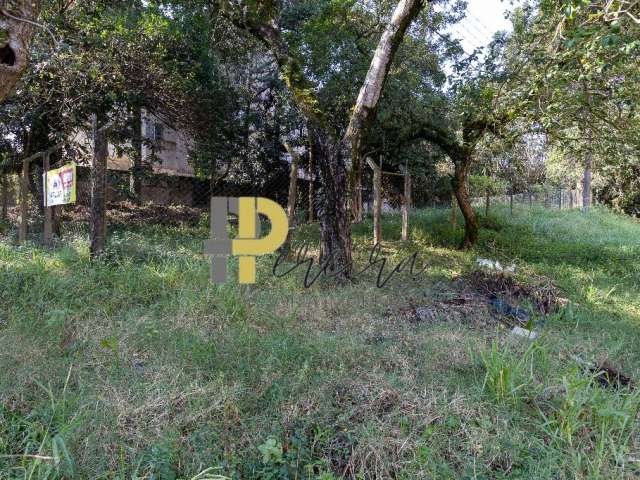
331 152
365 109
335 228
16 31
460 182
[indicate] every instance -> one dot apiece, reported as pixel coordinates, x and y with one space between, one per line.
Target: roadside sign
60 185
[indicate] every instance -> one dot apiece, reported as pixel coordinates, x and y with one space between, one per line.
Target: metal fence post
406 205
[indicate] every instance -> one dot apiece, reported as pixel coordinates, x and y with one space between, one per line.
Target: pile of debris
543 293
489 296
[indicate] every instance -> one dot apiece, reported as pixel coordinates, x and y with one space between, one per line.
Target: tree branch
366 105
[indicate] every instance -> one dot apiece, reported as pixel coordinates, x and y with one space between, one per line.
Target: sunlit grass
151 370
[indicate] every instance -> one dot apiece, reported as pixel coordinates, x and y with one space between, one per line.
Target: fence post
406 206
293 190
48 231
312 176
24 186
4 185
560 199
511 202
98 188
377 202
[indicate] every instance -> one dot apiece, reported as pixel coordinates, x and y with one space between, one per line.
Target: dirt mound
542 293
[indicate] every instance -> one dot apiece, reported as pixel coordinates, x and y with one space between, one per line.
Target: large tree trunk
98 189
332 153
16 33
136 172
364 111
335 231
459 182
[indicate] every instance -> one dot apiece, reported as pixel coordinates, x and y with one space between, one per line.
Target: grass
136 366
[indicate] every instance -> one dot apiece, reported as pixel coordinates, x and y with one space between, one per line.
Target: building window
158 132
155 131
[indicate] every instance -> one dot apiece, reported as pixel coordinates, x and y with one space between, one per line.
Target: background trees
555 97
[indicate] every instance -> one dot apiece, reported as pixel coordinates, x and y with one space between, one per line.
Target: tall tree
332 149
582 77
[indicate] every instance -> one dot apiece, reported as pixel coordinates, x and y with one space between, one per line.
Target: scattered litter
503 308
483 299
138 366
425 314
606 374
609 376
523 332
495 265
542 292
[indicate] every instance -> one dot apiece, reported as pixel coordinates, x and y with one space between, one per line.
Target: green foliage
620 186
562 170
482 185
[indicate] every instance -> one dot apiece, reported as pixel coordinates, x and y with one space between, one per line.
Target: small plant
271 451
507 377
298 460
111 344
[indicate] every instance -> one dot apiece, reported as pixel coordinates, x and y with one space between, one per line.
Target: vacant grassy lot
137 367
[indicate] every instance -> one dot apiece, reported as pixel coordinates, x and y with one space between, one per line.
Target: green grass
136 366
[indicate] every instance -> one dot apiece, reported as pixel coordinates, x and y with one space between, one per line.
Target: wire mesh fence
160 198
548 198
165 198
